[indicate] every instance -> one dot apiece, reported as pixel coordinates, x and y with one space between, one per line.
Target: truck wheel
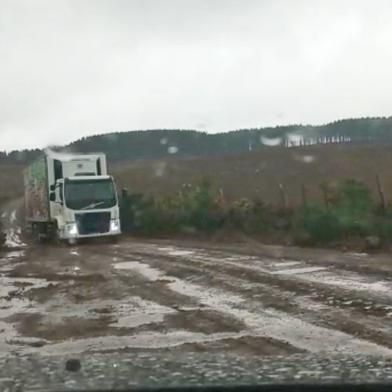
56 237
34 232
53 235
114 239
72 242
37 233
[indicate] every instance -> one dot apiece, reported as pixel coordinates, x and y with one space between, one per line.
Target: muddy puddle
13 301
12 228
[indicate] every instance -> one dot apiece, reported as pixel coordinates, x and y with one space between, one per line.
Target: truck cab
71 197
83 198
85 206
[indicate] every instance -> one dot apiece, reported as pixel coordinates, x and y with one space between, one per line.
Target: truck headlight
71 229
115 225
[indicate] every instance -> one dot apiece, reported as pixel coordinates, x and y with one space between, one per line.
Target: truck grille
93 222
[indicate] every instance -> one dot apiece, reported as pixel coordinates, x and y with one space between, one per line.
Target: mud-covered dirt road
139 295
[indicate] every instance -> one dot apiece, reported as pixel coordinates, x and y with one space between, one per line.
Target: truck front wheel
55 234
72 241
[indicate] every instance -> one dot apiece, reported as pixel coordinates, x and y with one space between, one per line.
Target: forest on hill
151 144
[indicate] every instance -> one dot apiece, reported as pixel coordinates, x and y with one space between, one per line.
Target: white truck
68 197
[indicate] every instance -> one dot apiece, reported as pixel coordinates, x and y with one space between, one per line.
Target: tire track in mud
190 303
369 264
293 330
291 279
60 324
228 271
350 314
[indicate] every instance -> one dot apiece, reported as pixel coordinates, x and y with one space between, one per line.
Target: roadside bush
350 203
157 216
355 197
201 207
129 207
194 208
239 215
354 208
256 217
330 190
353 226
382 228
281 218
314 225
348 212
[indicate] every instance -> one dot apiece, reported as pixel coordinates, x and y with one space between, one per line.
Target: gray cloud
78 67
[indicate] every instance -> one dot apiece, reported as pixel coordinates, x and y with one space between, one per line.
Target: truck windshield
89 194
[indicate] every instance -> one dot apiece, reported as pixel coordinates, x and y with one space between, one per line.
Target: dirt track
140 295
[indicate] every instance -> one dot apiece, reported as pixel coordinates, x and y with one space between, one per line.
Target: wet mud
173 296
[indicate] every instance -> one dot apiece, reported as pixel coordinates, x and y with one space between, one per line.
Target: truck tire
72 242
54 235
114 239
38 232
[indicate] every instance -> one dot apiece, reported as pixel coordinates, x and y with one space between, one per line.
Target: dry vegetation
258 174
246 175
243 193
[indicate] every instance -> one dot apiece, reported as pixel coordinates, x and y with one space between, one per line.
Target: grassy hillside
258 174
255 174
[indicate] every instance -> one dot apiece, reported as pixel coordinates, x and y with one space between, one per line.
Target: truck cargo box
36 191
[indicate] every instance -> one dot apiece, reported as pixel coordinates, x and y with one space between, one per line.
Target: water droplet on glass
160 169
268 141
294 139
172 150
305 158
111 137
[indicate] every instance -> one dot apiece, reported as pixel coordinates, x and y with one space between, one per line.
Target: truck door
58 170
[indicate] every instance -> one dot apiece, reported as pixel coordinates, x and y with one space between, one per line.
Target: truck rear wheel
114 239
39 232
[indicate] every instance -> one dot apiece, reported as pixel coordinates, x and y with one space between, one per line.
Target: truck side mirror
52 196
52 187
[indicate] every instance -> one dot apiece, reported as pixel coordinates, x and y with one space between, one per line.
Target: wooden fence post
324 189
283 196
304 196
380 192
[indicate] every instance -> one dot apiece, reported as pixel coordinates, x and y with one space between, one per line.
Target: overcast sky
70 68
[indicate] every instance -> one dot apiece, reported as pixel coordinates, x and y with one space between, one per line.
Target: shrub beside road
348 213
